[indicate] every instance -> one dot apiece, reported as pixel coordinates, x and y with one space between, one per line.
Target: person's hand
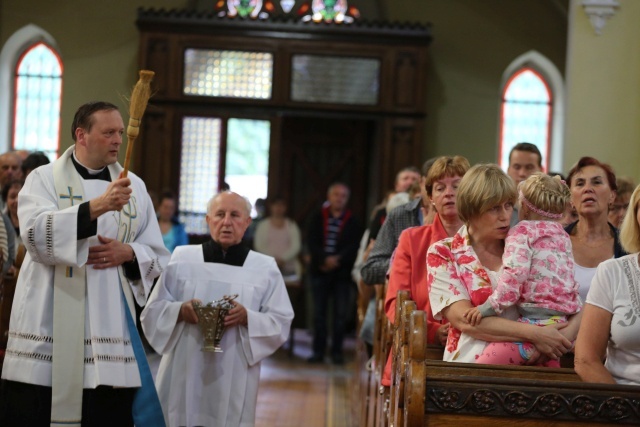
566 332
473 316
188 313
550 342
236 316
110 253
331 262
442 334
115 197
536 358
12 272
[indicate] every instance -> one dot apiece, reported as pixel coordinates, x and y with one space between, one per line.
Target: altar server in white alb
200 388
94 245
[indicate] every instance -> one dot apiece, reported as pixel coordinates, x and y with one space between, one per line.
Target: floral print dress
454 273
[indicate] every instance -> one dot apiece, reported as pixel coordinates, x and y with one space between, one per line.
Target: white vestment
50 237
199 388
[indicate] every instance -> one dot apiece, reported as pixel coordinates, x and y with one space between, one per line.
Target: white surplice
199 388
50 236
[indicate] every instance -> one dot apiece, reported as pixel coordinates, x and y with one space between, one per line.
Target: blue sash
147 411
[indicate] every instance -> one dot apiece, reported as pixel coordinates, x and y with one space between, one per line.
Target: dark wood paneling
312 144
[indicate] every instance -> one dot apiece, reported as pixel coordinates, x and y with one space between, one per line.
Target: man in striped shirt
333 237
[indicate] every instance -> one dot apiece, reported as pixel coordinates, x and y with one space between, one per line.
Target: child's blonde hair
548 195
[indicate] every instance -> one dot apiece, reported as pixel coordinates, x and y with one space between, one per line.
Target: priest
94 245
200 388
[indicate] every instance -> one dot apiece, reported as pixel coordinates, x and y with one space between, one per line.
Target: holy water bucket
211 320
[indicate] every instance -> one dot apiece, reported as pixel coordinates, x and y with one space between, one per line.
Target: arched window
31 81
530 109
38 90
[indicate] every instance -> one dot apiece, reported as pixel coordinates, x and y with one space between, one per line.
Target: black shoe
337 359
316 358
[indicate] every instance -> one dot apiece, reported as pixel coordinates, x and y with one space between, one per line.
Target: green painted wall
98 42
474 42
603 90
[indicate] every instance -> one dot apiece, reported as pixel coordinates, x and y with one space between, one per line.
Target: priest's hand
236 316
114 198
110 253
188 313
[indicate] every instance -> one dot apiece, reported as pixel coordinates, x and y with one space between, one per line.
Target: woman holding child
463 271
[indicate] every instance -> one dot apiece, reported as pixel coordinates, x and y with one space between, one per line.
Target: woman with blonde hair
463 270
611 320
537 274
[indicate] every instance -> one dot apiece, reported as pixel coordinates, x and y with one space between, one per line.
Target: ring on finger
104 259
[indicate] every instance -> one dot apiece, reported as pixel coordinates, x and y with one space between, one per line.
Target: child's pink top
537 273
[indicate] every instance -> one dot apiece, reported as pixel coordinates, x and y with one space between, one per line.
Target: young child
537 273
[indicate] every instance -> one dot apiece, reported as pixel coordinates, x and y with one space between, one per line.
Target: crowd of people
518 268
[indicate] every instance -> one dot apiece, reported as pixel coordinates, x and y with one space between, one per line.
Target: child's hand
473 316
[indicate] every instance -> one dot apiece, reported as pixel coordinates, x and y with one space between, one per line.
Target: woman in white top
593 189
610 324
279 237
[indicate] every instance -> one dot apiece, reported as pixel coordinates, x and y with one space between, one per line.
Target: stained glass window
328 11
228 73
198 170
335 80
526 114
37 102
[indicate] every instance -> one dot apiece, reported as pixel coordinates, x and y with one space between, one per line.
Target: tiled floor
295 393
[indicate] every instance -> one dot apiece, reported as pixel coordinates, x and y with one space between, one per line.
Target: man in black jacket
332 237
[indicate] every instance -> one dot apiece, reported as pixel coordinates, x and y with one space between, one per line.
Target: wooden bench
400 357
384 343
363 370
438 393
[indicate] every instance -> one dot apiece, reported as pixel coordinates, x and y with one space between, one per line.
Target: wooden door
316 152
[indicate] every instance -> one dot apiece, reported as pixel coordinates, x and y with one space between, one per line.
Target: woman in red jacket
408 269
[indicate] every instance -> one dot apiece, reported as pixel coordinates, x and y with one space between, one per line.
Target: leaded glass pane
335 80
228 73
199 162
37 104
247 161
526 115
527 87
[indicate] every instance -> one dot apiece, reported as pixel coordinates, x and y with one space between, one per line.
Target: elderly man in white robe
199 388
94 245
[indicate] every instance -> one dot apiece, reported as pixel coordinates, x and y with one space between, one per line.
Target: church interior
284 98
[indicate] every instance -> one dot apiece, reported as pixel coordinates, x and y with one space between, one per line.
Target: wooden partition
315 139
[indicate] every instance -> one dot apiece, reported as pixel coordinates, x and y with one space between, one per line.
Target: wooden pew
385 341
400 357
438 393
363 366
382 338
